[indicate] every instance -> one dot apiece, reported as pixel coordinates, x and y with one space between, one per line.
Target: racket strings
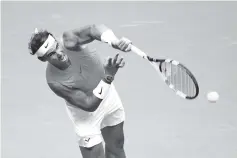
178 79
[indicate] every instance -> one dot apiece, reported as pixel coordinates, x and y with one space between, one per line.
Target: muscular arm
88 102
84 35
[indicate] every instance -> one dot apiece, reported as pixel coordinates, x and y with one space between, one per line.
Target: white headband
46 46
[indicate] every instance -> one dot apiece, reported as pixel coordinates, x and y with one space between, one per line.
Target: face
55 55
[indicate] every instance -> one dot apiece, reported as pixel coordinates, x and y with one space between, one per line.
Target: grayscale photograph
122 79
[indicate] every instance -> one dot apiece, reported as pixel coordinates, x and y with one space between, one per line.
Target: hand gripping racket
174 74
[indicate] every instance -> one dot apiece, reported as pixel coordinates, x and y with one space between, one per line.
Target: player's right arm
89 101
78 38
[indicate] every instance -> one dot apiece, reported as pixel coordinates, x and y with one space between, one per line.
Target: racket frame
159 68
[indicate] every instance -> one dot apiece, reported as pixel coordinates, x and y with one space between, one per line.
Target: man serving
76 73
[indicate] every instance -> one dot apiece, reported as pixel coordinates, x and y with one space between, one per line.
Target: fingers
119 62
115 62
124 44
115 58
121 65
108 61
128 48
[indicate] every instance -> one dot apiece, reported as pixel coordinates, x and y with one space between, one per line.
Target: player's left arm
100 32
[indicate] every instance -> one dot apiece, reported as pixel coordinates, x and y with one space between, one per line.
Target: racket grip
138 52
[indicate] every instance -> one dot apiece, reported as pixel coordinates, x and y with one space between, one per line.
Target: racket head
179 78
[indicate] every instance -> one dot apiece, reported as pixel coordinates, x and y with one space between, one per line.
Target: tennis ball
212 97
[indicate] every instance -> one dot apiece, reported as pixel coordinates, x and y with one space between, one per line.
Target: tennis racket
174 74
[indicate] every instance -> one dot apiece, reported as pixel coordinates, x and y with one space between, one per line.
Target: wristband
101 90
108 37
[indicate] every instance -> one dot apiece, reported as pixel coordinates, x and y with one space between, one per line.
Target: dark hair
37 40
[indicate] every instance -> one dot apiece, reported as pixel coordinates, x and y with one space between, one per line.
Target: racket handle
138 52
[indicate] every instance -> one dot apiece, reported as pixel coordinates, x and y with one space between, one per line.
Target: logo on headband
46 46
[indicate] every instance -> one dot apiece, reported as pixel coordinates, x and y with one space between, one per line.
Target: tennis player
77 74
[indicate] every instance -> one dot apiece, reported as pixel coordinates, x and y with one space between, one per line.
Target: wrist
101 90
108 79
109 37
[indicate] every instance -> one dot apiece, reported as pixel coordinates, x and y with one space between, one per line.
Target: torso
85 72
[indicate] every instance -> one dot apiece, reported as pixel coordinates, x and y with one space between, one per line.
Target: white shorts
88 125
